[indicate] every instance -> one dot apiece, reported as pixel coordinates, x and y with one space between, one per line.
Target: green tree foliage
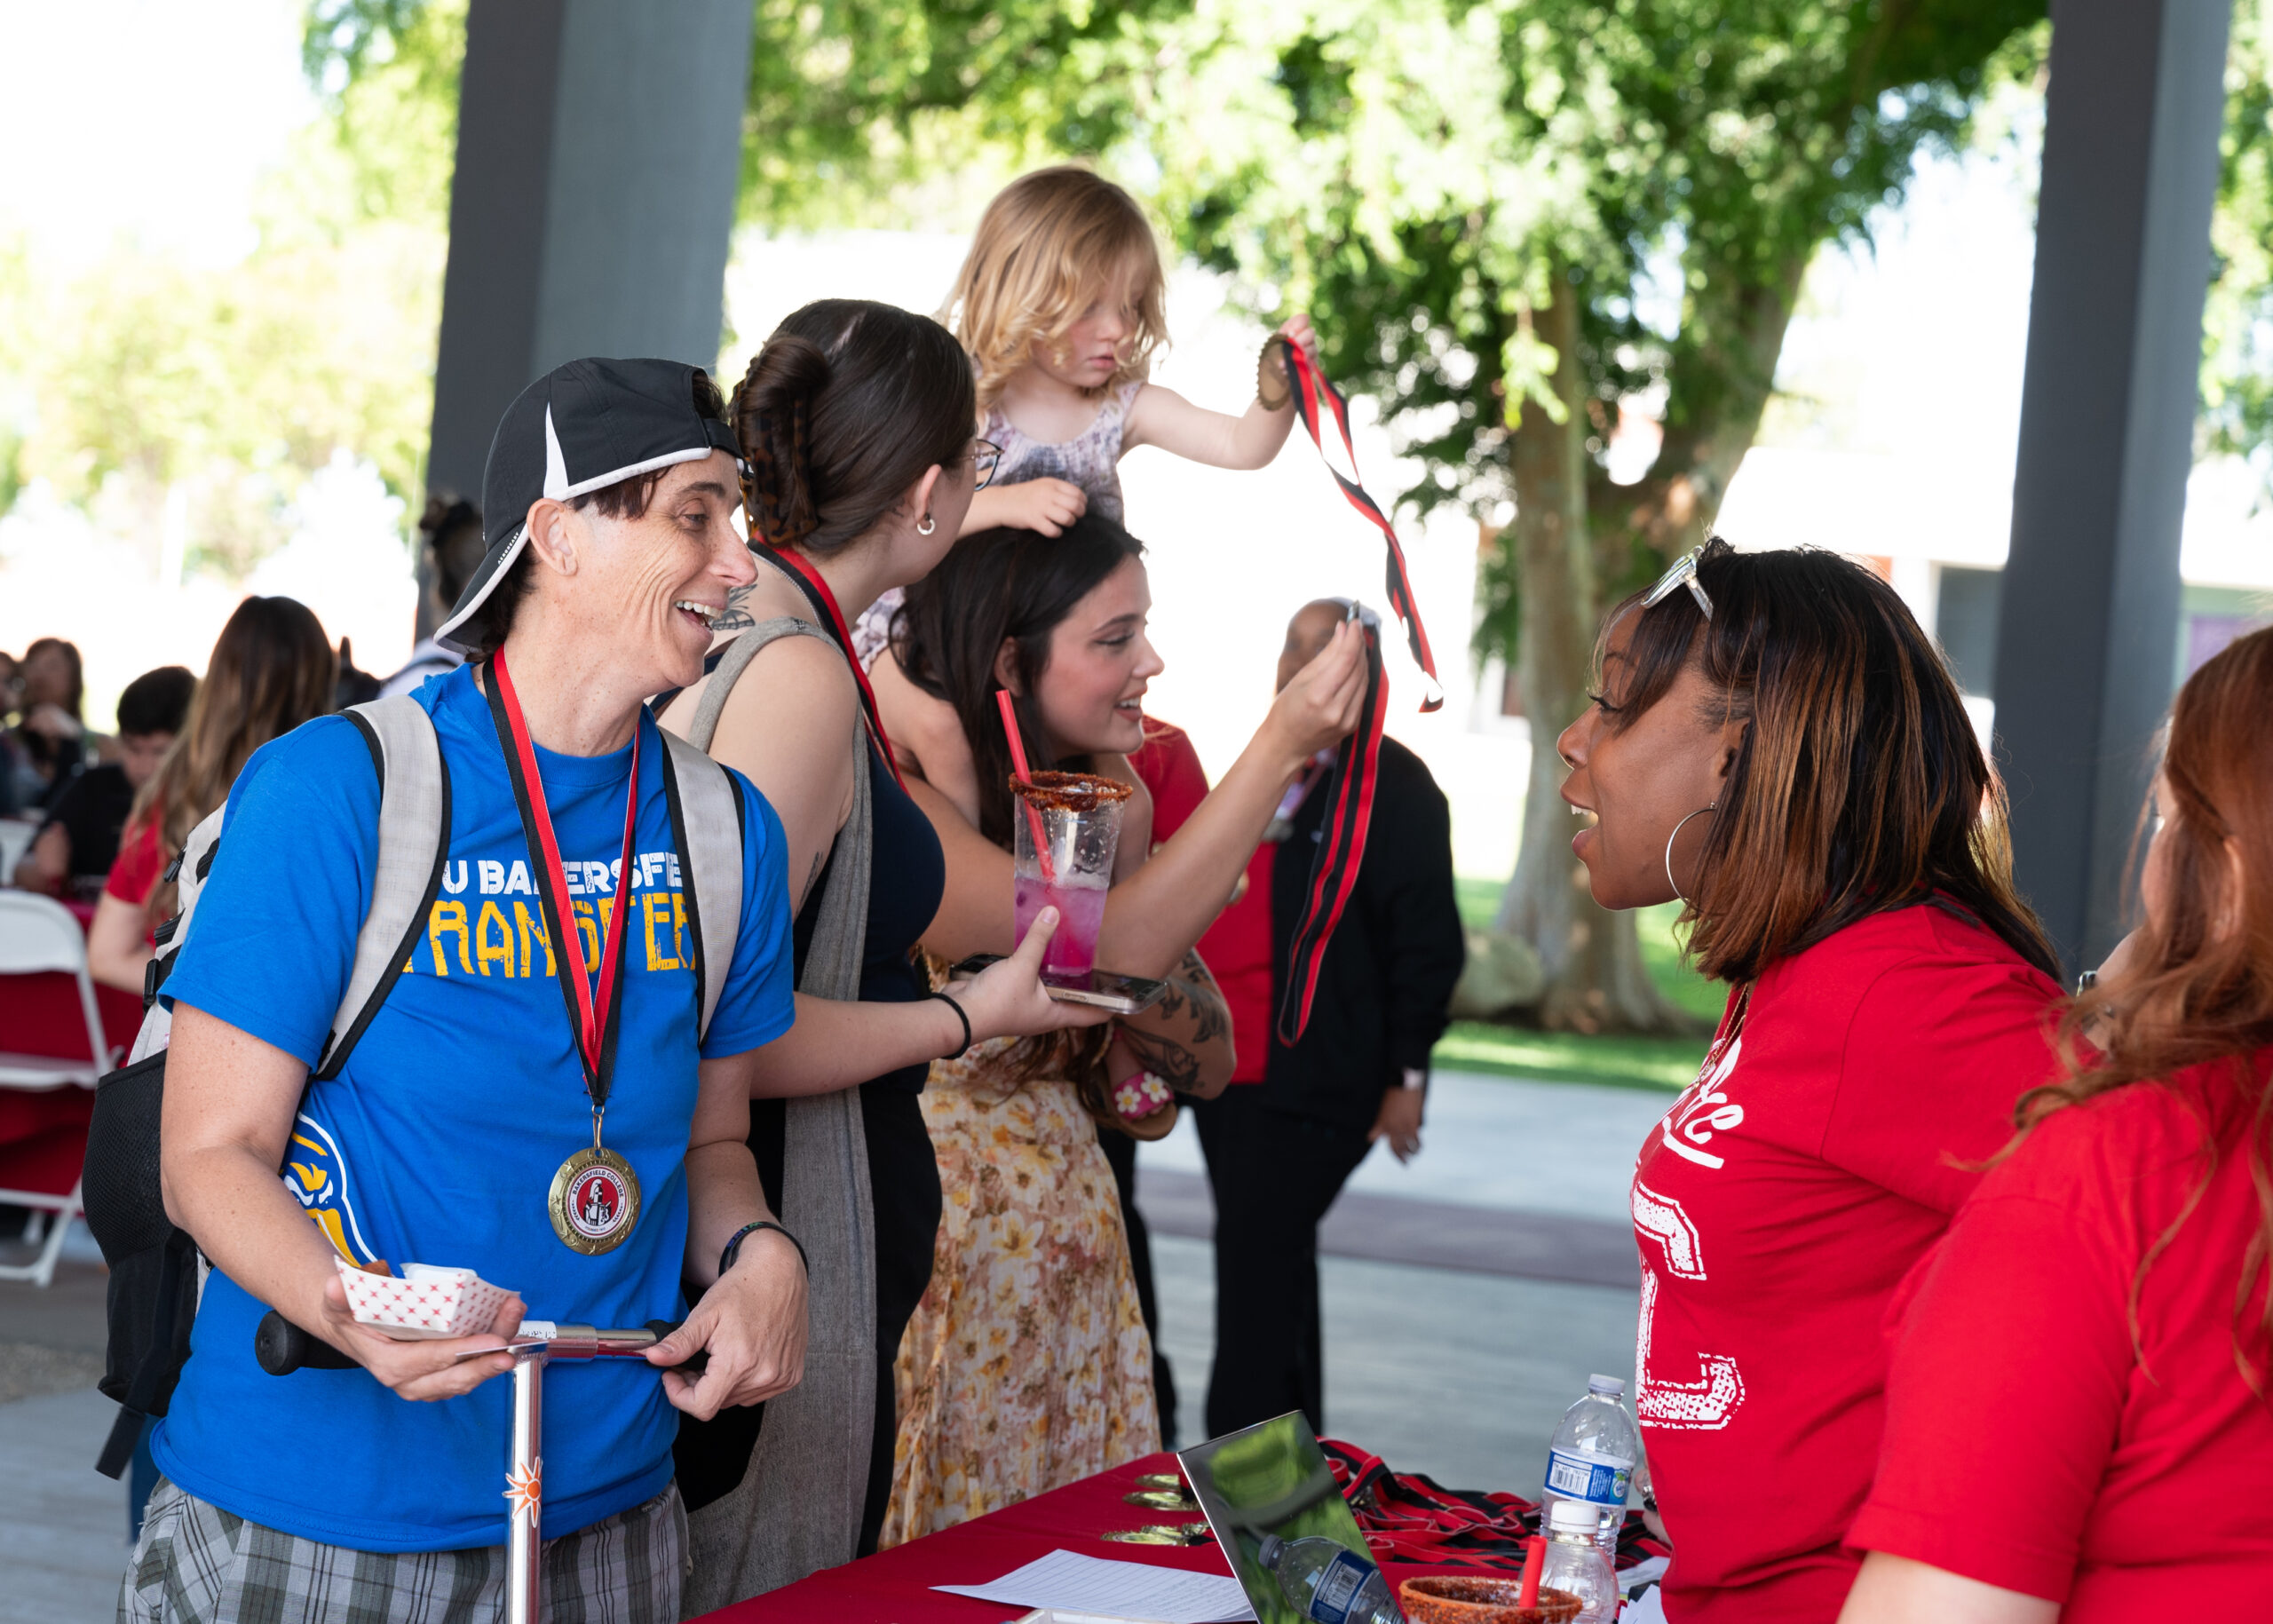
1510 218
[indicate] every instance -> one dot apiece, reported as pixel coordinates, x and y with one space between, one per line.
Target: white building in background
1942 544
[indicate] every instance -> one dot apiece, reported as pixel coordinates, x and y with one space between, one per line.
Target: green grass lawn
1663 1064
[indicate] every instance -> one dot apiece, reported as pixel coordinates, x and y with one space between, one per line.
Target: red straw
1535 1564
1003 703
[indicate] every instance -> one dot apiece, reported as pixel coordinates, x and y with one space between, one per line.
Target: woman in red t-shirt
1776 743
2077 1419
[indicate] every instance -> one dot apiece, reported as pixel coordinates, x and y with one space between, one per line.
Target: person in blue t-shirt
489 1075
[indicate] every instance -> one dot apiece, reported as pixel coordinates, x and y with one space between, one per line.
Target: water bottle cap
1267 1553
1614 1386
1574 1517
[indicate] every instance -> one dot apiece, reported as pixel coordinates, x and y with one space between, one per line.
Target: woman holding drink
1026 1365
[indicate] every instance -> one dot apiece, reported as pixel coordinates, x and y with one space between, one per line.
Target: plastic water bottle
1329 1582
1577 1564
1591 1461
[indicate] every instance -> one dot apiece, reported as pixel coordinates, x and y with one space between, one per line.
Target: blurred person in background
50 738
1297 1120
2126 1229
78 843
272 668
453 551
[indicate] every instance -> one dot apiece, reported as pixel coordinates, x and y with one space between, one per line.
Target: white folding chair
39 936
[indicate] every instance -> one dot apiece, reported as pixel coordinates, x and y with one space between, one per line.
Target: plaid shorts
196 1564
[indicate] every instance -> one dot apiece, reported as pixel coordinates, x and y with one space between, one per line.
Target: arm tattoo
1192 1003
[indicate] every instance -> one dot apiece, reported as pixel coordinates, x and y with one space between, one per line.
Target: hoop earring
1677 828
926 524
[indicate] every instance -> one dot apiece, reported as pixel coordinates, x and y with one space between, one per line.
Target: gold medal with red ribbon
595 1197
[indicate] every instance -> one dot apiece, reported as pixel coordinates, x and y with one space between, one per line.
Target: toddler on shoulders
1060 305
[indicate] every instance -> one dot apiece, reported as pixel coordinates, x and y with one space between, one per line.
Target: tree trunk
1595 979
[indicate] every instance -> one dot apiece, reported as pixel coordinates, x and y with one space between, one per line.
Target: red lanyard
817 588
593 1016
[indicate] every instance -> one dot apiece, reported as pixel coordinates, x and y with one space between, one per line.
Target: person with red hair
2079 1423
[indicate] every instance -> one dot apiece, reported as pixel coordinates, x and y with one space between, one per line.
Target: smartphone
1122 995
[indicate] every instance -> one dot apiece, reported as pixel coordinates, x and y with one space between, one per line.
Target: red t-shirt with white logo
2031 1443
1778 1206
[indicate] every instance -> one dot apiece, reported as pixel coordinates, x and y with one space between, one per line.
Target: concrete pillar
600 152
2088 621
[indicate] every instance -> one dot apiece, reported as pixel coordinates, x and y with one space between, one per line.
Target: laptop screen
1271 1481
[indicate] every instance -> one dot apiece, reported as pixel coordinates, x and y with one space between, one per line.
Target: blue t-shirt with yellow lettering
437 1142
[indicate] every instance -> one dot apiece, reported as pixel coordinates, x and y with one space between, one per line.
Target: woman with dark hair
1775 742
271 669
2095 1332
1026 1365
855 419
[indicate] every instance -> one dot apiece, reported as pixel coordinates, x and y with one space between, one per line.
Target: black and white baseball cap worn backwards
580 428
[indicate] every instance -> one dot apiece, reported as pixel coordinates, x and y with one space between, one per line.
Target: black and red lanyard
1311 387
1342 839
817 591
592 1011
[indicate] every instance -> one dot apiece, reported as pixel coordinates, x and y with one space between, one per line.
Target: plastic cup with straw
1065 856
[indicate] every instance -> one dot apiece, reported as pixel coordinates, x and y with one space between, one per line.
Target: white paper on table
1067 1582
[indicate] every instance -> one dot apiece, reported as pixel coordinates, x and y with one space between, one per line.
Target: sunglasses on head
1683 573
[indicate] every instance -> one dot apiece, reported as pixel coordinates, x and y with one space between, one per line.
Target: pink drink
1073 951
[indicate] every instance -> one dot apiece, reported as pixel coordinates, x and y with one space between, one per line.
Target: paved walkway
1467 1295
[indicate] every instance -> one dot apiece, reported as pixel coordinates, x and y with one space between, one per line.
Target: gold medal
595 1201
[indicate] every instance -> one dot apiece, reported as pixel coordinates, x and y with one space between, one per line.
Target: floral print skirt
1026 1365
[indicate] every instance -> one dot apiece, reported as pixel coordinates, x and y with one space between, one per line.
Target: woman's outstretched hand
1320 708
1007 1000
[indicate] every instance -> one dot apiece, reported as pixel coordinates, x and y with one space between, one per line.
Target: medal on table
594 1200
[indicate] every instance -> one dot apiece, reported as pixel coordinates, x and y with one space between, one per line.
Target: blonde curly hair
1047 245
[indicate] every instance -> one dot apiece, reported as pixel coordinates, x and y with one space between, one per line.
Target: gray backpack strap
413 848
733 660
707 823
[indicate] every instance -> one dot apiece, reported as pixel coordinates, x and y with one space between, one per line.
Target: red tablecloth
44 1133
894 1587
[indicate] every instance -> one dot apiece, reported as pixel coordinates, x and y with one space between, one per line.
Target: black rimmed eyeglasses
986 457
1683 573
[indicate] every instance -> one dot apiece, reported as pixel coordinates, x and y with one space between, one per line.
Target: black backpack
155 1277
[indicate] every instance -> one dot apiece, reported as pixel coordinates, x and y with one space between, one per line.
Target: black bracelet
959 1016
734 1247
